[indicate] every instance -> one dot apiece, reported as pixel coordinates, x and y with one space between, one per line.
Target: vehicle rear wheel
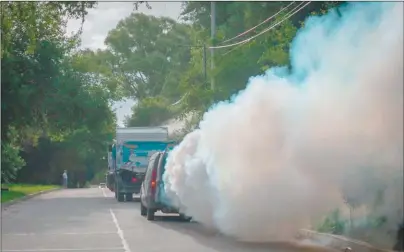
121 197
129 197
185 218
143 210
150 214
116 191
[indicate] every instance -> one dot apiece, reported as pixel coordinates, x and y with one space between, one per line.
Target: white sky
105 17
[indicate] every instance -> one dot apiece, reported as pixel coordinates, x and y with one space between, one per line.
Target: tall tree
234 65
145 59
146 55
43 93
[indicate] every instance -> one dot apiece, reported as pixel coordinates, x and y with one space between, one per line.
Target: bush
100 177
333 224
11 162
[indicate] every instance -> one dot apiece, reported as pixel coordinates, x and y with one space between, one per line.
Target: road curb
26 197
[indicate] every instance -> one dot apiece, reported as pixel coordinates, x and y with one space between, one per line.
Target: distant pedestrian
65 179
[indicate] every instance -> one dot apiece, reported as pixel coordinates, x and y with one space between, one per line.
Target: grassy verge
16 191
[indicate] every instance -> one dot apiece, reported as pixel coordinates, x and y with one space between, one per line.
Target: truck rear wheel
129 197
116 191
121 197
150 214
185 218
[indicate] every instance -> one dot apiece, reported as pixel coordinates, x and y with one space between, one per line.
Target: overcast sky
105 17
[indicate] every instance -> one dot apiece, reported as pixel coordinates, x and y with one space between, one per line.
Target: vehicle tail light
134 180
153 181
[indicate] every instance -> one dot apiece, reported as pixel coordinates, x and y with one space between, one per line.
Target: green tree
149 112
44 94
146 55
145 59
234 65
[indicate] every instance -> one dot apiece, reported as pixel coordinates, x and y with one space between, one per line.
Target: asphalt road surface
91 219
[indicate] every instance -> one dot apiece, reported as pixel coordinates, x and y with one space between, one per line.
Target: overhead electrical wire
264 31
288 15
263 22
240 43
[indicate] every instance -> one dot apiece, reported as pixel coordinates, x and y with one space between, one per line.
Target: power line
263 22
264 31
240 45
233 49
288 15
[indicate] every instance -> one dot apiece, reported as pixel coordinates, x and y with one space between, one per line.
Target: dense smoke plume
295 144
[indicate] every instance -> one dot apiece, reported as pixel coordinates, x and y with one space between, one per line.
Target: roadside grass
16 191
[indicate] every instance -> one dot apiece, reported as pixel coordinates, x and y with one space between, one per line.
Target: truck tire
129 197
143 210
150 214
185 218
121 197
116 191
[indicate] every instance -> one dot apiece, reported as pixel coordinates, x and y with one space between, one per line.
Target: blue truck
129 156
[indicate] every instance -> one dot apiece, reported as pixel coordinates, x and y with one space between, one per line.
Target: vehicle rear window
150 167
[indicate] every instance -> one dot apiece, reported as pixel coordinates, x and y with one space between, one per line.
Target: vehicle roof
155 154
149 134
163 153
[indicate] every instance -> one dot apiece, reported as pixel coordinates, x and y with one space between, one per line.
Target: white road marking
103 192
65 249
32 234
120 232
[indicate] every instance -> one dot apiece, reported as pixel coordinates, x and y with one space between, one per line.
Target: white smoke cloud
285 151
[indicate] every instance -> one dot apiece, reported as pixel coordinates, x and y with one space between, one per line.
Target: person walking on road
65 179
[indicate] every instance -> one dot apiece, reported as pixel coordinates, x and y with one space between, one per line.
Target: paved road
91 220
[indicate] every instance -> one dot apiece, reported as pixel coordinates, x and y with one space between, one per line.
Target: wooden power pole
212 35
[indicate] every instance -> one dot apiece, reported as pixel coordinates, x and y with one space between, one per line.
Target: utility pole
212 35
204 63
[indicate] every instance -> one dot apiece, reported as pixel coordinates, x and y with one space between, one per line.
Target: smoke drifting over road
289 148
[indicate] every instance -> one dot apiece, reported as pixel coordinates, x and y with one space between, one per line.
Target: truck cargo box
142 134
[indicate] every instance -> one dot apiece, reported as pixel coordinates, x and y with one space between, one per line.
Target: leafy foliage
45 95
145 56
150 58
149 112
236 64
333 224
11 161
56 99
